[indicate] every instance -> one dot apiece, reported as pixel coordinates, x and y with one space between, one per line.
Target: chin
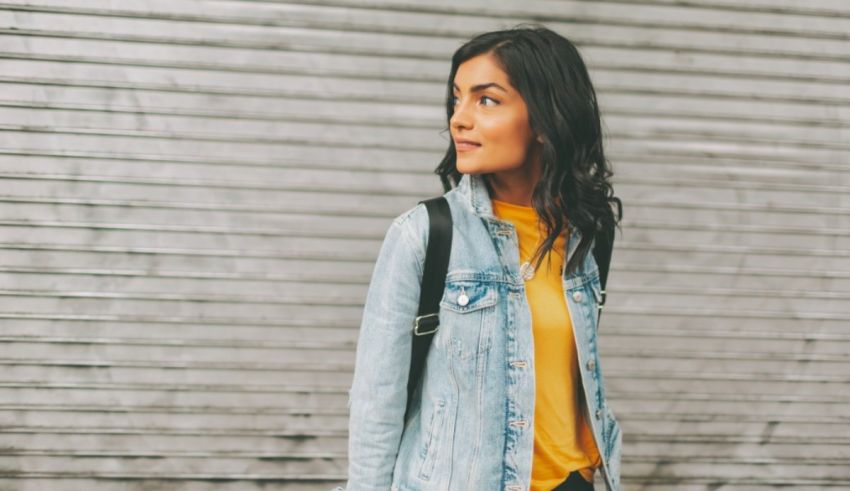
490 168
465 168
471 167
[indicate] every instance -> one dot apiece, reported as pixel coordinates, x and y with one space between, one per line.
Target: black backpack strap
433 283
602 249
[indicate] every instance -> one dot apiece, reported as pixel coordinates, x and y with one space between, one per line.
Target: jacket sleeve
378 393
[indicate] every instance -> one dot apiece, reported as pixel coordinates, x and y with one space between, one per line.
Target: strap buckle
601 302
428 319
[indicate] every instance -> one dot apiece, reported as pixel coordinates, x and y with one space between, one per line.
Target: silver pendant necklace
526 271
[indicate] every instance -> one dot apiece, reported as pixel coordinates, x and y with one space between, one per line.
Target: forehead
479 70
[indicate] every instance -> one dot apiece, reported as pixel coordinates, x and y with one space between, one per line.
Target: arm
378 393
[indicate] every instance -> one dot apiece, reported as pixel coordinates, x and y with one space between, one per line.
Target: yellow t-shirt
563 439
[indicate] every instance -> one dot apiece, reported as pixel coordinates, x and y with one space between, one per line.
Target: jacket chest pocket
468 313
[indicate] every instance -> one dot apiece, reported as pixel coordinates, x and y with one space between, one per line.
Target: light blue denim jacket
474 427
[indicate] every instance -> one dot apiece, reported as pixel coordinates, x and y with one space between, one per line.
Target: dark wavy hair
549 73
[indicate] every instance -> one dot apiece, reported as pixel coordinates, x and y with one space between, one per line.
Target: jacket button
591 364
462 299
598 413
577 296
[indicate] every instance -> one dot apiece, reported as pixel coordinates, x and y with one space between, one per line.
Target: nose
459 119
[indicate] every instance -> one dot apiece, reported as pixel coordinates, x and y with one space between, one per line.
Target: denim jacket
472 429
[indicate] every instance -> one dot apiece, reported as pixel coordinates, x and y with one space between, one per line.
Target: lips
465 145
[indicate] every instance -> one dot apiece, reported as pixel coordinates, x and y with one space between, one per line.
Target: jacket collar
474 190
473 187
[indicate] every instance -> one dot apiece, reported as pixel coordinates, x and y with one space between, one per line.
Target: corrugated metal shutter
194 192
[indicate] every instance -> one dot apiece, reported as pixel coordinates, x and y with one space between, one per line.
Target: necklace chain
526 269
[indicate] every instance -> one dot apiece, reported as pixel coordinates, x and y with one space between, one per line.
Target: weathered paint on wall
193 194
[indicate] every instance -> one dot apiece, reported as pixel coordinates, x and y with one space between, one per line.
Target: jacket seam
407 233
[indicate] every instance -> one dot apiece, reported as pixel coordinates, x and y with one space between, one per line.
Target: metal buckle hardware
416 323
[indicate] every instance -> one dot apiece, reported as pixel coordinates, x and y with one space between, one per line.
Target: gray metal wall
194 192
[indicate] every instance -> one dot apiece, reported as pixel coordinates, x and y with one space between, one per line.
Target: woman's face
490 112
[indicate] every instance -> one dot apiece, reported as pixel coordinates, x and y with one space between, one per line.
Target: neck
515 186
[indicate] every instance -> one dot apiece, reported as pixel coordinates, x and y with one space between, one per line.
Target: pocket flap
466 296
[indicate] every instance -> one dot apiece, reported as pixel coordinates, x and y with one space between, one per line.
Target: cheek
507 139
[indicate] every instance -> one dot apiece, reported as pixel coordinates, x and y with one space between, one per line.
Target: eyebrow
480 87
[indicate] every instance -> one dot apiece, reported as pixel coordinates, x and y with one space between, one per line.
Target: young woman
512 395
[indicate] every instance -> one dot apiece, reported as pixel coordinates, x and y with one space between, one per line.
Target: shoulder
414 227
412 216
415 222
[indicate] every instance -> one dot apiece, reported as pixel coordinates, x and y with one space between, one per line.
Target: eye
454 99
